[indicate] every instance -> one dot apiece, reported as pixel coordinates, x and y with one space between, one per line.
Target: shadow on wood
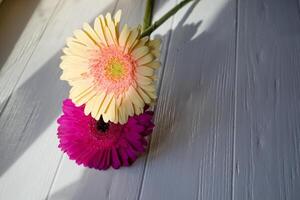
186 98
14 17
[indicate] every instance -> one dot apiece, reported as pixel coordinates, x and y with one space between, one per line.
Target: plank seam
61 158
30 56
5 104
235 102
168 44
55 176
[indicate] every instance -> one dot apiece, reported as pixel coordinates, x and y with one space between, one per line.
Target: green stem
164 18
148 14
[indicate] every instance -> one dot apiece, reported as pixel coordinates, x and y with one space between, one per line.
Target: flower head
109 70
99 145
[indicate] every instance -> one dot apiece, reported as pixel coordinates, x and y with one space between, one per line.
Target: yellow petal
137 110
117 17
97 105
104 105
142 42
140 52
143 80
109 114
124 36
148 88
145 71
77 49
145 96
107 34
144 60
153 64
135 97
93 35
111 27
85 98
121 115
131 39
154 44
84 38
90 104
99 30
128 107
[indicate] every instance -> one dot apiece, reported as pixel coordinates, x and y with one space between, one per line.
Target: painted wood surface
227 114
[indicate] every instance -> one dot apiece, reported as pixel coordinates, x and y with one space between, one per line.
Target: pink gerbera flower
99 145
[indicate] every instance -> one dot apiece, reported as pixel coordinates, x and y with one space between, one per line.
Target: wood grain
267 111
191 150
227 117
77 182
29 153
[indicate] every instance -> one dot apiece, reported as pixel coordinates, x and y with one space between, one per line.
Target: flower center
115 69
102 126
112 70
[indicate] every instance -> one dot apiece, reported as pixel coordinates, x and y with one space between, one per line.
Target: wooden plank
22 24
268 110
78 182
191 149
28 142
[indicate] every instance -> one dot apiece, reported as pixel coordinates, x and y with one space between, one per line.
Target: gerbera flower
99 145
110 71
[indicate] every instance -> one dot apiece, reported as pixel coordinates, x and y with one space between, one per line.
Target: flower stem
155 25
148 14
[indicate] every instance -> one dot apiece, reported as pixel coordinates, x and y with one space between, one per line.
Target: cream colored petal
117 17
145 71
121 115
124 36
99 30
148 88
107 34
137 110
135 97
97 105
143 80
109 114
116 120
85 98
144 95
78 68
127 104
83 93
144 60
154 44
142 42
73 64
131 39
153 64
140 52
93 35
90 104
112 28
73 73
104 105
119 100
76 95
73 39
80 87
84 38
77 49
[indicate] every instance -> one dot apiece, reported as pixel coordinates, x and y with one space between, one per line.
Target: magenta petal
119 145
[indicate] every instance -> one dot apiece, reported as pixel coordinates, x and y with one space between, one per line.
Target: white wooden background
228 114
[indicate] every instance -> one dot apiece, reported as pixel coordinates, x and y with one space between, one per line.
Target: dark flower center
101 125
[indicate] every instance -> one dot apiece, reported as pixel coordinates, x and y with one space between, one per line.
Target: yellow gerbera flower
112 72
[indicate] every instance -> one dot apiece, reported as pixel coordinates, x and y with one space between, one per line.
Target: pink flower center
112 70
105 139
